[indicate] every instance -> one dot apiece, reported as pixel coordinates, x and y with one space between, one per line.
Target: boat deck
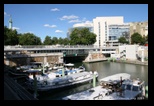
90 94
125 95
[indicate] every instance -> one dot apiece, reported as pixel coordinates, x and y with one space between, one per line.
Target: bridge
48 53
67 50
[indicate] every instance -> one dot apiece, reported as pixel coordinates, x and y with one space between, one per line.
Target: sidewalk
95 60
133 62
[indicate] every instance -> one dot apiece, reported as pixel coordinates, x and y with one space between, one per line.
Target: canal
104 69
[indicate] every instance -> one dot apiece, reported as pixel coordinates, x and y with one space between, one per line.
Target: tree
122 40
66 41
126 35
29 39
82 36
5 34
10 36
136 38
47 40
54 40
143 40
60 40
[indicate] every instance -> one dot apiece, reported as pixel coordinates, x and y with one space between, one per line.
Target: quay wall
18 61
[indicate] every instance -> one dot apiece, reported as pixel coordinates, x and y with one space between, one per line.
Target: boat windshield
135 88
129 87
123 86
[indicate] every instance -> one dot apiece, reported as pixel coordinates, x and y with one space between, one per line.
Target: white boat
53 82
69 64
130 90
57 67
69 70
107 86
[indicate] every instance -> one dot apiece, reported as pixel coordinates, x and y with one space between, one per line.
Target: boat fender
90 72
95 73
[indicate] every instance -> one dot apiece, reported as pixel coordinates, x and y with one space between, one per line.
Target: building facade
139 27
101 28
117 31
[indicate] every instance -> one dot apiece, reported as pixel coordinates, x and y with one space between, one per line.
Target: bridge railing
49 46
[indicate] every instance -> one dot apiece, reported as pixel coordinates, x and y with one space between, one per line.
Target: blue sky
55 19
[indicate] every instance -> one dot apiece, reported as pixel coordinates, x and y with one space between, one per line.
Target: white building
101 29
129 52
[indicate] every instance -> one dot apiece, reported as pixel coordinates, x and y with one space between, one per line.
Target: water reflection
109 68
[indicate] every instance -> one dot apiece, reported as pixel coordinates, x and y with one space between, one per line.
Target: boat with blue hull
50 81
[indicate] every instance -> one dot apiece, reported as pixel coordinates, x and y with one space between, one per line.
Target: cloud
84 24
28 32
65 17
72 21
50 26
58 31
6 14
84 20
15 28
55 9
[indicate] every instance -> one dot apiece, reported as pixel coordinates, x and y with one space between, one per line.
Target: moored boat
107 86
130 90
51 81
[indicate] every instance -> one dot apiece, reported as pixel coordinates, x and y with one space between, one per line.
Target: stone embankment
133 62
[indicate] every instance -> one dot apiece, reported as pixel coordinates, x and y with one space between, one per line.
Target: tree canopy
122 40
136 38
10 36
82 37
29 39
47 40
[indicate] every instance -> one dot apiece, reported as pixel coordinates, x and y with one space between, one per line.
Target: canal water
104 69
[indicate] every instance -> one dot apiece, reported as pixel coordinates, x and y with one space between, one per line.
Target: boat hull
78 80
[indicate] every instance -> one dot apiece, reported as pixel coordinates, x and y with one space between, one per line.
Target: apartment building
139 27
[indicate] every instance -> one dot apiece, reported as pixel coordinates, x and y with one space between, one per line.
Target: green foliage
136 38
82 37
47 40
66 41
122 40
54 40
143 40
10 36
29 39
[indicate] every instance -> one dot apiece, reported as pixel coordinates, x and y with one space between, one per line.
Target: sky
55 19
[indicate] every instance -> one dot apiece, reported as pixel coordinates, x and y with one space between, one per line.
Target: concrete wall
25 61
131 52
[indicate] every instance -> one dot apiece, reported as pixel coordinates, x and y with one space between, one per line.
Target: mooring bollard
63 72
94 80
